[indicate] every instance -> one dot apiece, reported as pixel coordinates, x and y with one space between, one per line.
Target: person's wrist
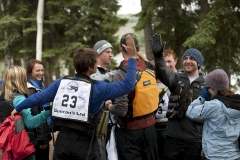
18 110
47 108
158 55
134 57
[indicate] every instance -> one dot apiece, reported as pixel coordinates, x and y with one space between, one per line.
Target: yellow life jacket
146 94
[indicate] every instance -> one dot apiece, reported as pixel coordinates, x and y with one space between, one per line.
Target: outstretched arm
163 73
39 98
29 120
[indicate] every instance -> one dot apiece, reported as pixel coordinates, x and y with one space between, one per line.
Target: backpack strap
138 73
123 68
149 65
150 72
138 76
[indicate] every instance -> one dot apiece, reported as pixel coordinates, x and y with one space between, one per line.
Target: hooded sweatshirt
221 128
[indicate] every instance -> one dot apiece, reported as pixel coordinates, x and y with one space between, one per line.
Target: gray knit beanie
217 79
196 54
101 46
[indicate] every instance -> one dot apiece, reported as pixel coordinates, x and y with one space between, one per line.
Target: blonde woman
16 90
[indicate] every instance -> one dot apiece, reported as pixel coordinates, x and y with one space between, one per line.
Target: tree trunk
227 69
204 6
48 73
7 54
39 29
178 42
7 57
55 59
25 56
147 35
71 72
47 79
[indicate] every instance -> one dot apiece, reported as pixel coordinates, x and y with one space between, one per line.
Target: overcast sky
129 6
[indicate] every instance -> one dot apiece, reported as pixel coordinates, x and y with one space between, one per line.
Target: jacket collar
200 79
78 75
230 101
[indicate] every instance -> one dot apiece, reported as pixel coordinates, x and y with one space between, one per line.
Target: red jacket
14 139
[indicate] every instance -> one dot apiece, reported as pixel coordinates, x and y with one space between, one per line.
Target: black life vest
183 95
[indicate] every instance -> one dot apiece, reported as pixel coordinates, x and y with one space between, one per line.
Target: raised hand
130 48
157 45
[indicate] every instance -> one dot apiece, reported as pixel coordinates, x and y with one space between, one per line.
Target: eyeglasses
208 87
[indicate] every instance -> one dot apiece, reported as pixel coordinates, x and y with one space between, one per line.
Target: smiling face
171 63
37 72
190 65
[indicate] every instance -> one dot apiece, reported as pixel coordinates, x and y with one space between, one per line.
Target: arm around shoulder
40 98
18 100
34 121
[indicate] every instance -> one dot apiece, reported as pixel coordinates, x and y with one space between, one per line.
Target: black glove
157 45
205 94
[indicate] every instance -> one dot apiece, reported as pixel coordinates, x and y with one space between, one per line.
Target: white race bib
72 100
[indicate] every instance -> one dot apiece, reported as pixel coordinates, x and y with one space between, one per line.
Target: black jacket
43 132
5 108
182 94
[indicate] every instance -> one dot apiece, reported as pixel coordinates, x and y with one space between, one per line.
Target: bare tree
39 29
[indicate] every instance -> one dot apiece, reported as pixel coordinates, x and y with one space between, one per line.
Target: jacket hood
232 103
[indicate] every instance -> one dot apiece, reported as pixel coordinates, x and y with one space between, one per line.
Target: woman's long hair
15 80
226 92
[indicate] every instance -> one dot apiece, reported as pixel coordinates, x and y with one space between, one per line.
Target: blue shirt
101 91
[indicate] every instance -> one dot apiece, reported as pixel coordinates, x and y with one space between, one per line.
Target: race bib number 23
72 100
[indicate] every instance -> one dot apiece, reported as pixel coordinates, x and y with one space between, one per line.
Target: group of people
190 116
19 83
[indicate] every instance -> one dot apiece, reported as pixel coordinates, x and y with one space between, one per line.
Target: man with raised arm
183 136
71 142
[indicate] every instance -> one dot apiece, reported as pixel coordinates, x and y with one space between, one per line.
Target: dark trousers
137 144
161 136
73 144
42 153
178 149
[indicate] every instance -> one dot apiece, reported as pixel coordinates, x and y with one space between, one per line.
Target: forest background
211 26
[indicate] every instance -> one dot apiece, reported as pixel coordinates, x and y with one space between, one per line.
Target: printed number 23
66 99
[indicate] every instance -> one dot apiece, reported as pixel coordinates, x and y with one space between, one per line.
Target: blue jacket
221 128
29 120
101 91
